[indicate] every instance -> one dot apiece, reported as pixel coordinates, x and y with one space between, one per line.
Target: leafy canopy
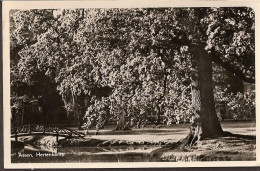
142 54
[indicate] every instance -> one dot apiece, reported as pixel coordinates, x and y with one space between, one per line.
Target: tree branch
227 66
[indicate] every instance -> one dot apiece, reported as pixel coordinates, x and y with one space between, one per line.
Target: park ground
170 134
240 146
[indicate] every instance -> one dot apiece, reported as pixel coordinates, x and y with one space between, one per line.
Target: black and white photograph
131 85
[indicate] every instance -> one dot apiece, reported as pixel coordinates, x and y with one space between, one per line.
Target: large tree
227 40
145 58
31 88
204 35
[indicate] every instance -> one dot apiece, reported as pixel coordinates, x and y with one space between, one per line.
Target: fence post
43 128
70 135
30 131
16 138
57 137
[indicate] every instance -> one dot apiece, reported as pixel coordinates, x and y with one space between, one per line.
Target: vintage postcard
125 84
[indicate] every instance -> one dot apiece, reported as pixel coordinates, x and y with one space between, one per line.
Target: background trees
31 88
139 63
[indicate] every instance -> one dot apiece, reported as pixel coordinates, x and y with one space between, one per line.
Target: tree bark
202 94
80 109
121 119
120 122
157 120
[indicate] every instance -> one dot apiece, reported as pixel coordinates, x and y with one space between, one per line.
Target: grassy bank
219 149
229 148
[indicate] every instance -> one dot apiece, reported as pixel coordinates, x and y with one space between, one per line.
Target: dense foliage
143 56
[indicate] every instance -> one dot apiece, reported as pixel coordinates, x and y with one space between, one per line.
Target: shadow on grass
229 134
141 132
182 145
233 146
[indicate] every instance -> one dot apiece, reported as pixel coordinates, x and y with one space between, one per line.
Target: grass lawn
229 148
170 134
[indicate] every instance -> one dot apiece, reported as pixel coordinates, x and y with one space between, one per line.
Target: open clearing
171 134
238 147
234 148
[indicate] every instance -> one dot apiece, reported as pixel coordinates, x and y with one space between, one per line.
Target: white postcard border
7 5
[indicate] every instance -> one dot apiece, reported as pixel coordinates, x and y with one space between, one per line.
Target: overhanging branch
227 66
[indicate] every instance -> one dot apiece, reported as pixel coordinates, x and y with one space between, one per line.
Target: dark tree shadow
229 134
183 144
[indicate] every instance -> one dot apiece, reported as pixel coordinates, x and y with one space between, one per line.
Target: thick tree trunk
80 110
202 95
204 122
79 121
121 122
158 119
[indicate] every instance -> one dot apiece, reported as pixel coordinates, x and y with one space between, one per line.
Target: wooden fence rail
42 129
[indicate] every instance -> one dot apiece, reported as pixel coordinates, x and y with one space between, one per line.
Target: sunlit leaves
231 33
242 106
142 54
